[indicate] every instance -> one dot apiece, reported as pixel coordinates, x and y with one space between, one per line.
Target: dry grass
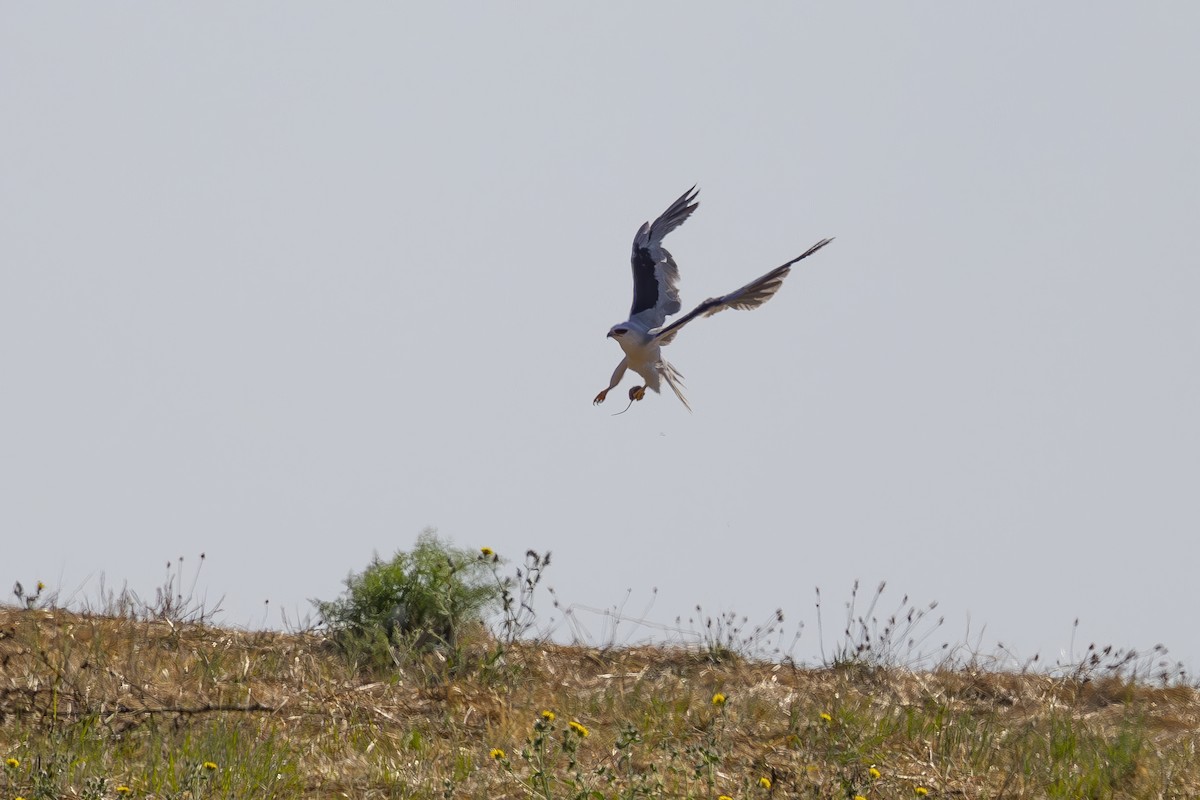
89 704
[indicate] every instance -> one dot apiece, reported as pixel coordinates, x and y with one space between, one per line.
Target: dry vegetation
98 707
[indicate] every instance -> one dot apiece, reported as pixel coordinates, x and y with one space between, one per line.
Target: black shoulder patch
645 282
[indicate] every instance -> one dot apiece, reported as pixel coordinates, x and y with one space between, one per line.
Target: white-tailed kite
656 297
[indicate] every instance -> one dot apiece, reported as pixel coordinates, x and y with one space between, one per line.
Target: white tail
674 380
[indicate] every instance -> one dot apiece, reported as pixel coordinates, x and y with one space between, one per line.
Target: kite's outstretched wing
655 294
752 295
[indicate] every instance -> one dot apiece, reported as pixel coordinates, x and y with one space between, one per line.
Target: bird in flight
656 297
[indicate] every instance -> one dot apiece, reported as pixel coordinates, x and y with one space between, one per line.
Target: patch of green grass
411 603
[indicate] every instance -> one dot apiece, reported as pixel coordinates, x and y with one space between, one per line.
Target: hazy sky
286 283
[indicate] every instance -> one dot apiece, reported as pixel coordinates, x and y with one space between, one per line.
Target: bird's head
618 331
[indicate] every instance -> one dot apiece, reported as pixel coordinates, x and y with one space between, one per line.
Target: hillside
102 707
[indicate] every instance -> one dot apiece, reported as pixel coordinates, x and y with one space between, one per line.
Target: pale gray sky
288 282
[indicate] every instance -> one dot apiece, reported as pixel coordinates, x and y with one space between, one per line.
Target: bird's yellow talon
636 393
600 398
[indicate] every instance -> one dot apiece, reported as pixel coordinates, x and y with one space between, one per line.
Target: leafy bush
415 602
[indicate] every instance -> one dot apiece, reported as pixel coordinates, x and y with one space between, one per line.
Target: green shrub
415 602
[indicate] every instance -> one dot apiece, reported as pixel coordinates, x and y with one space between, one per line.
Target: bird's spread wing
655 294
752 295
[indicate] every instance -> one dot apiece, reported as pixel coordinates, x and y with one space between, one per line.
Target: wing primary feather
752 295
674 216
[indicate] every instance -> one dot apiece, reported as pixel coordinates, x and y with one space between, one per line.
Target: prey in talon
635 393
656 297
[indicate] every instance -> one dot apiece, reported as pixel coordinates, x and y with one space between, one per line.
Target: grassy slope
90 704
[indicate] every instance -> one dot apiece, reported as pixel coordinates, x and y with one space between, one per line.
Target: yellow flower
41 586
123 789
575 726
825 717
497 754
718 699
12 763
548 716
859 797
724 797
921 791
874 773
764 782
487 552
209 766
